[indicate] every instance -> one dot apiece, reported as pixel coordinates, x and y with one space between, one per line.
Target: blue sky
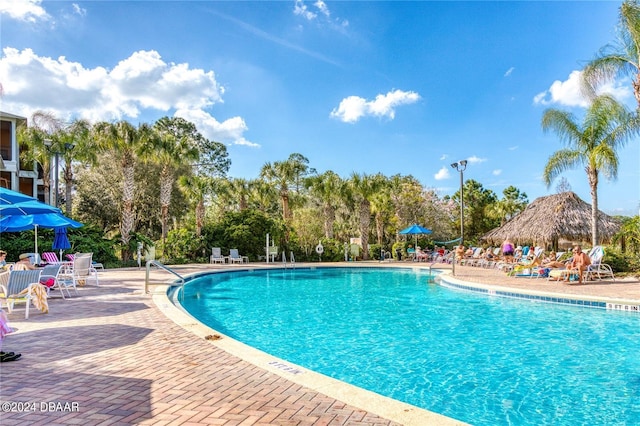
355 86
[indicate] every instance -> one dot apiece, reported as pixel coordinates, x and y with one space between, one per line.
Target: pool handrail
161 266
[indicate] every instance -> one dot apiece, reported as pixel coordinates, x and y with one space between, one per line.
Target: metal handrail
161 266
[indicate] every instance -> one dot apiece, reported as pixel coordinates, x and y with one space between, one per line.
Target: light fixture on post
461 166
48 143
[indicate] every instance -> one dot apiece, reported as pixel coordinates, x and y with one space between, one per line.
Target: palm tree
39 137
381 206
128 143
326 188
281 174
629 235
196 188
621 58
173 147
363 188
242 189
73 142
606 126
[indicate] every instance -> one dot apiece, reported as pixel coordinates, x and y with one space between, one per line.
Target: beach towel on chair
38 297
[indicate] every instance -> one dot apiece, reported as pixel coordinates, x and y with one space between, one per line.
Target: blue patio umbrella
19 212
8 196
416 230
61 240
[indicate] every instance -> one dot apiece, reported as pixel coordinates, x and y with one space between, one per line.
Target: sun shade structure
19 212
416 230
549 219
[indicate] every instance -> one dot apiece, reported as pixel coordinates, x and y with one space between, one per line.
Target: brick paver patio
110 356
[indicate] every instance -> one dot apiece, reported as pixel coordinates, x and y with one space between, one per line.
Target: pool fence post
267 248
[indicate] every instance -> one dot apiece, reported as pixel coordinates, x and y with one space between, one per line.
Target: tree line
165 181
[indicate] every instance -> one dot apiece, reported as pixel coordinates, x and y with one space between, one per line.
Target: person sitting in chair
579 263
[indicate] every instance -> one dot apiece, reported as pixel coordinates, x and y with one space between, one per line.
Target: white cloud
513 148
474 160
568 92
79 10
322 7
509 71
143 81
23 10
300 9
229 131
443 157
442 174
352 108
496 172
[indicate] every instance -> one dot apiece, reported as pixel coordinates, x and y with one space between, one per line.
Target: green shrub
87 239
621 262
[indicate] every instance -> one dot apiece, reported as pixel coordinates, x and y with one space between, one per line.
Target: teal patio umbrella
416 230
19 212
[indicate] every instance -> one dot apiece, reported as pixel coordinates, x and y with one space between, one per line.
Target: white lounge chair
81 270
234 257
216 255
16 284
597 269
54 272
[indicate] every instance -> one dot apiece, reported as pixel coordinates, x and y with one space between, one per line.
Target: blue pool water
479 359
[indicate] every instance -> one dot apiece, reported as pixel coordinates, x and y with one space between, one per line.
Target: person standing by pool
507 250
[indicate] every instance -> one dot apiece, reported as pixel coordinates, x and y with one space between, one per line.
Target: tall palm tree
281 174
128 143
363 188
39 138
74 142
196 188
621 58
381 205
606 126
242 189
326 189
263 196
172 148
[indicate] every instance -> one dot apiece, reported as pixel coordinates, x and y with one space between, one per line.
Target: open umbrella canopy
26 208
19 212
30 221
415 229
8 196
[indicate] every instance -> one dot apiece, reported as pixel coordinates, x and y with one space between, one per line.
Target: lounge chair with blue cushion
235 257
216 255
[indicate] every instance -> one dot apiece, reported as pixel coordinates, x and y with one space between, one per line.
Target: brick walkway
115 358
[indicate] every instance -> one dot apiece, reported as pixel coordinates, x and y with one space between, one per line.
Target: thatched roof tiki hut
548 219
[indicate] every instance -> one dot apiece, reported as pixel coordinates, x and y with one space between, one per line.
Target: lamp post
48 143
461 166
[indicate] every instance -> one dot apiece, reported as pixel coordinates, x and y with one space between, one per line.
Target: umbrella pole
35 227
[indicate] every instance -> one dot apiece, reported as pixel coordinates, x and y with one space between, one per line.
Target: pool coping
585 301
380 405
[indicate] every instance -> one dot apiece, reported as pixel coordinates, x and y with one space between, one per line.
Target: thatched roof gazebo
548 219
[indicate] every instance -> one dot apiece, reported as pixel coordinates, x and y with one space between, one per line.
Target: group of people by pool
509 257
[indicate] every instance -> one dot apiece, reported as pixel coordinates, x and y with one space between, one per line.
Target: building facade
16 174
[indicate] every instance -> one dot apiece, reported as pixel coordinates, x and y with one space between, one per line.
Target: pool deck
112 356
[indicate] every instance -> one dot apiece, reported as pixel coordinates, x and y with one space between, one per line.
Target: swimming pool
479 359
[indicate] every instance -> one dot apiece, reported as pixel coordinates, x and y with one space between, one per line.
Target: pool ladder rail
291 257
147 282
